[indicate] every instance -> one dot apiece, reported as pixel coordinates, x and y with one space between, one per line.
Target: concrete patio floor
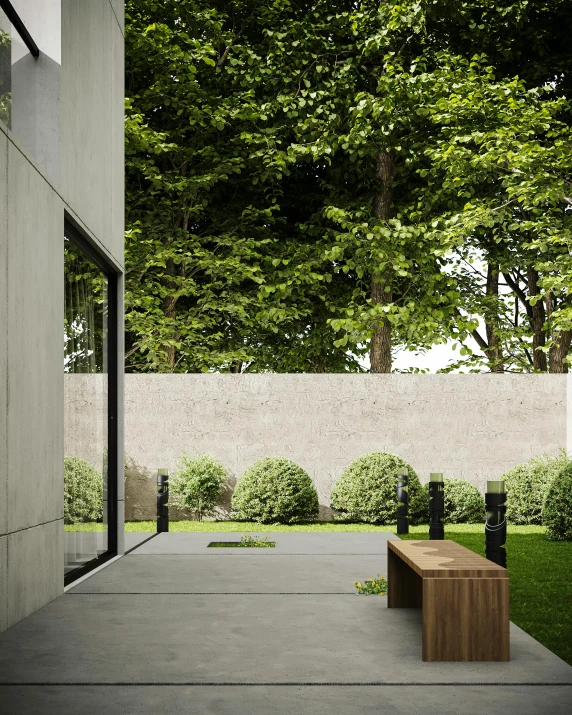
174 627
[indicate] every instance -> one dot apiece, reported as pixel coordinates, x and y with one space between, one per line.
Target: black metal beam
14 18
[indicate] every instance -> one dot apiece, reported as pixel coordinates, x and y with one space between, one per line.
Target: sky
438 357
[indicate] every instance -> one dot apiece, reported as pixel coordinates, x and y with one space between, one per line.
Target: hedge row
278 490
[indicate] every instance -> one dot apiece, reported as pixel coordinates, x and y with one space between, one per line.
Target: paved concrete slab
99 638
133 539
286 543
284 700
227 574
192 633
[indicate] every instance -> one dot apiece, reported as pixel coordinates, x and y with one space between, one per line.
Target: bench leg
404 586
466 619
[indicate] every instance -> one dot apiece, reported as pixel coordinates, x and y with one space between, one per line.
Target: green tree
505 151
212 231
308 181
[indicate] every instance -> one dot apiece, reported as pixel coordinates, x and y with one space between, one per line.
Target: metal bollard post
402 500
162 500
495 526
436 506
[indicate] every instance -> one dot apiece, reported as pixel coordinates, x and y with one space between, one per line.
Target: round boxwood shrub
557 510
366 491
526 487
272 490
197 484
83 491
464 504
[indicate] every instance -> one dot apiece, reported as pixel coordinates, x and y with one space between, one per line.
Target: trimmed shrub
275 490
526 487
464 504
366 491
557 511
197 484
83 491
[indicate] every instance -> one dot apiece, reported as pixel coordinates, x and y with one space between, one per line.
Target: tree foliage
275 490
197 484
83 491
310 181
367 491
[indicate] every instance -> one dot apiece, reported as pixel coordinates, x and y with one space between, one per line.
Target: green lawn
86 527
540 570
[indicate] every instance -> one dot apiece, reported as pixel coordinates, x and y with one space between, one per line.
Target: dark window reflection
86 408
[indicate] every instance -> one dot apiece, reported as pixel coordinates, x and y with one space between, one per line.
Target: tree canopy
311 182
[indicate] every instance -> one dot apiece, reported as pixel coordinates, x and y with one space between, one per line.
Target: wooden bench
464 598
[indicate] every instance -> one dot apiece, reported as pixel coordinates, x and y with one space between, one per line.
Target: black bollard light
162 500
436 506
402 500
495 526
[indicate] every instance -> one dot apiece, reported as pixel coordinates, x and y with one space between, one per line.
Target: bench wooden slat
445 559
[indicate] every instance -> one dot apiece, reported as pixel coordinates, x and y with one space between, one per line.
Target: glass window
86 409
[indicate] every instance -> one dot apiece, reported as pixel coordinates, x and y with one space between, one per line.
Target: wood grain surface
466 619
445 559
464 597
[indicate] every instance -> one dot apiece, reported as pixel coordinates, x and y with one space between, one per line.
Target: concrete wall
33 202
92 116
469 426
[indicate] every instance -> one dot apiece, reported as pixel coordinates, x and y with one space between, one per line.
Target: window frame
20 28
113 275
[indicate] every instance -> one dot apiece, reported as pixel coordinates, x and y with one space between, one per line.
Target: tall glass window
88 503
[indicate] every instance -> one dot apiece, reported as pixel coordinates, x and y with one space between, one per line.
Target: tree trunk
561 340
559 350
380 348
381 284
169 303
537 322
494 349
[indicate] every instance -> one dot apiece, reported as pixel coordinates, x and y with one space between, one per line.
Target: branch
519 292
475 333
481 343
222 59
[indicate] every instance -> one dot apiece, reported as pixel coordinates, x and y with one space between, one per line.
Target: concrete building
61 260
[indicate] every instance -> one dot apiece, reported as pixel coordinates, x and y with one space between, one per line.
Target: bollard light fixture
402 500
436 507
495 526
162 499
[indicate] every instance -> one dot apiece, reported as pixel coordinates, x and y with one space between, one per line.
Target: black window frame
74 233
20 28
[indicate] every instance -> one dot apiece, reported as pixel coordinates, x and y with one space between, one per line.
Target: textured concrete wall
469 426
32 392
33 203
92 117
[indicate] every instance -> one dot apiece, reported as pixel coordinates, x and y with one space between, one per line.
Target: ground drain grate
240 545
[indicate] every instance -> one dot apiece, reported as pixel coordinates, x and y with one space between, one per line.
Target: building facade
61 275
